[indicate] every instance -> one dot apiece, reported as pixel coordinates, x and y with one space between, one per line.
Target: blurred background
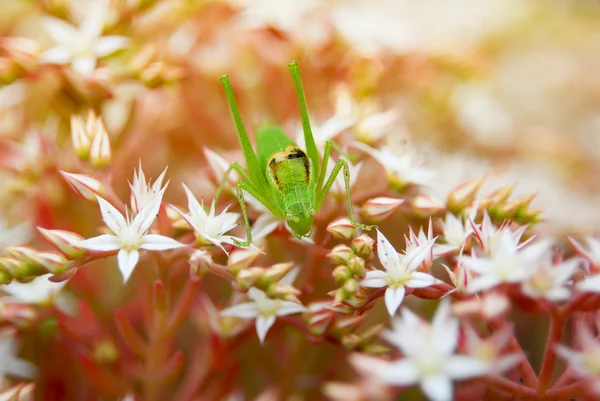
506 89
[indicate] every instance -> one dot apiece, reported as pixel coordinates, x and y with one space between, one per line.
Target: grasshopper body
287 180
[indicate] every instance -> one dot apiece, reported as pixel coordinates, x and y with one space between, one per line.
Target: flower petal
398 373
263 324
60 54
393 298
84 65
437 388
102 243
264 225
386 253
375 279
246 310
289 308
155 242
144 219
59 30
461 367
127 261
482 283
110 44
111 216
420 280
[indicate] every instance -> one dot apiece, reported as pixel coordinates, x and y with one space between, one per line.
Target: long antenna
251 160
311 146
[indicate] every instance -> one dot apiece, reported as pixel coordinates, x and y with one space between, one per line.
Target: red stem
554 337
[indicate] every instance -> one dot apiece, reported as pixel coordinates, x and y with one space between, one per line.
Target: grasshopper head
300 220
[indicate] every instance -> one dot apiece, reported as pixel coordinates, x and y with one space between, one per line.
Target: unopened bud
351 286
28 265
5 278
351 341
319 323
10 266
86 186
341 308
357 267
340 296
427 206
350 323
371 332
358 299
100 153
497 197
530 216
278 271
200 262
461 196
375 349
340 254
282 290
143 58
378 209
247 277
242 258
54 263
80 139
153 75
342 229
64 241
341 274
363 246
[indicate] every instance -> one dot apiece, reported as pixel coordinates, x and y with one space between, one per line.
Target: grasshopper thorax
289 173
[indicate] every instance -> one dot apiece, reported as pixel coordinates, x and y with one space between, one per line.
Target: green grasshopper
280 175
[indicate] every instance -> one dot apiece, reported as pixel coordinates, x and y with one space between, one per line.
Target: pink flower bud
247 277
349 323
363 246
9 267
54 263
341 228
242 258
427 206
351 341
341 308
278 271
86 186
357 267
341 274
378 209
64 241
340 254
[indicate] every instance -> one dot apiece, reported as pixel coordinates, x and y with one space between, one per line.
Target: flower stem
554 337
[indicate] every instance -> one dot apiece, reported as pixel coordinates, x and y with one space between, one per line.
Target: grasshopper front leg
341 164
234 166
241 187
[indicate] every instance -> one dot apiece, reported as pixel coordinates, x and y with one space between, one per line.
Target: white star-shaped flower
400 166
586 362
143 193
505 262
264 309
209 227
549 281
82 46
430 357
129 236
400 272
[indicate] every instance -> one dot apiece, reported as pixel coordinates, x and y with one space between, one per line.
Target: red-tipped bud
351 341
371 332
282 291
278 271
357 267
341 274
10 268
86 186
378 209
497 197
247 277
319 323
351 286
363 246
28 266
340 254
54 263
342 229
350 323
461 196
426 206
242 258
341 308
358 299
64 241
